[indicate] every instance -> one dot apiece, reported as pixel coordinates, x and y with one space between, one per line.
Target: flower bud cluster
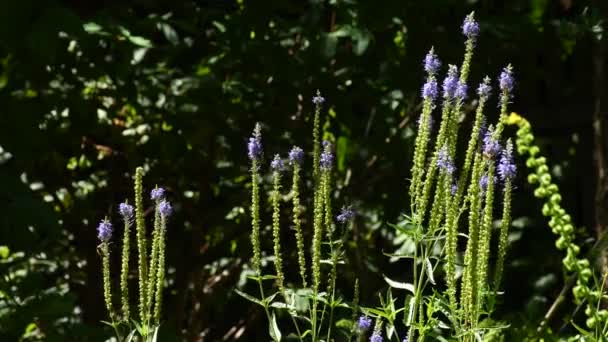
559 221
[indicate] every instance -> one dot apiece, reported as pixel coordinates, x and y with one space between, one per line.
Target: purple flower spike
453 189
506 167
429 90
104 231
506 79
484 88
491 147
126 211
346 214
450 83
444 161
296 156
470 28
277 164
364 323
431 62
254 146
376 337
165 209
461 91
157 194
318 100
327 160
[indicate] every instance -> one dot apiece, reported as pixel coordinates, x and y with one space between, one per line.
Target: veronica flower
318 99
364 323
431 62
104 230
165 208
450 82
491 147
429 90
296 156
506 79
327 158
376 337
346 214
506 167
461 91
254 146
484 88
157 194
277 164
470 28
126 211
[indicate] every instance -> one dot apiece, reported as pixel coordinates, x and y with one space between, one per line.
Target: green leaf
249 297
131 336
275 333
399 285
429 270
92 27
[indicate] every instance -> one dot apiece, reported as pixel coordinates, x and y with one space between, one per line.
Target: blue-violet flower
157 194
277 164
254 146
346 214
470 28
296 155
506 79
364 323
450 82
506 167
429 90
126 211
165 208
104 231
431 62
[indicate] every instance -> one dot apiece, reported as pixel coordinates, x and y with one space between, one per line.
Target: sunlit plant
144 325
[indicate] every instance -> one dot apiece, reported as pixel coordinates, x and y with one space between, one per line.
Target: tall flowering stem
506 171
429 93
141 243
469 286
296 156
104 232
255 152
484 92
318 101
277 167
156 195
165 211
126 211
485 235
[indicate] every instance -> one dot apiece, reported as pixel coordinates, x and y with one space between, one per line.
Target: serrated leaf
399 285
429 270
249 297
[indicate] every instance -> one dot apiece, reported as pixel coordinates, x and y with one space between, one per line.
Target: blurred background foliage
91 90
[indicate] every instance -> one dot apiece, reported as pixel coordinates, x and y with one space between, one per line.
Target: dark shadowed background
91 90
